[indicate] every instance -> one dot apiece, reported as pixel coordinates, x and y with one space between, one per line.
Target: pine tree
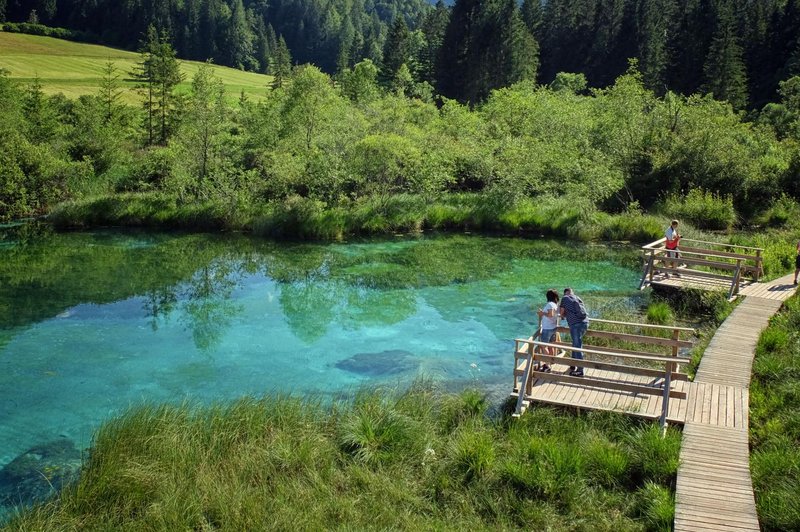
531 11
486 46
109 92
433 28
239 38
655 23
725 75
690 45
395 51
281 65
157 74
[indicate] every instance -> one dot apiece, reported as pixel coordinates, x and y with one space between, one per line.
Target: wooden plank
594 351
692 273
737 408
637 338
645 325
714 415
609 385
620 368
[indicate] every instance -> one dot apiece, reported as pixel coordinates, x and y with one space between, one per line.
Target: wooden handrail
651 245
707 253
650 358
722 244
636 338
646 325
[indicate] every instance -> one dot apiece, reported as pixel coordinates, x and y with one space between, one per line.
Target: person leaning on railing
549 316
573 310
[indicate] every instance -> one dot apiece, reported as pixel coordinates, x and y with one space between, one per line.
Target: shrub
660 313
472 453
784 212
656 506
701 208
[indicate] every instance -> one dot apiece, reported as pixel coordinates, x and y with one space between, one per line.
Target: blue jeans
548 335
576 332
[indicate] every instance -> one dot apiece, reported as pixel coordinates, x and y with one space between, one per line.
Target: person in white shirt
549 316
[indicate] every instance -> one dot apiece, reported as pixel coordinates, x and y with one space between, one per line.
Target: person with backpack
573 310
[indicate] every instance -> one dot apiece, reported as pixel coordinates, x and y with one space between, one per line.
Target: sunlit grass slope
76 68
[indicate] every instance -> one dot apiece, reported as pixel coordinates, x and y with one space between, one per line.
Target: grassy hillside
75 68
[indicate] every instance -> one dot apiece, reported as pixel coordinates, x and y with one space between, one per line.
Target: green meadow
75 69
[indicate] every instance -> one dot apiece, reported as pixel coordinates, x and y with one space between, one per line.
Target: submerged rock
39 472
389 362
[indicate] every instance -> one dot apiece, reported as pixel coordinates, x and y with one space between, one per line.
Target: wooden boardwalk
714 488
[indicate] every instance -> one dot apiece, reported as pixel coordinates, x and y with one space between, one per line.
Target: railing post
735 283
669 368
652 263
523 386
759 265
648 268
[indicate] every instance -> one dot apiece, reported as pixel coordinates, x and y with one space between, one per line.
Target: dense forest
313 146
737 50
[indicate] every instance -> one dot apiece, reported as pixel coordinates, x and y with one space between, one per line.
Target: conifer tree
655 25
109 92
281 66
486 46
725 75
395 51
433 28
157 74
690 45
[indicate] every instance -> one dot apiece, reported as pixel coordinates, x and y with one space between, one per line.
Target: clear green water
91 323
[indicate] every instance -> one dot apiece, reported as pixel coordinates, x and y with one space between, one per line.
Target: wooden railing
704 260
663 368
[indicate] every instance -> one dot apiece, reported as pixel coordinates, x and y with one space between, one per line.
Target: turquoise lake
94 322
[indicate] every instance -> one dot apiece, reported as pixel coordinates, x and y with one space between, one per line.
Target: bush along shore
413 460
302 218
775 421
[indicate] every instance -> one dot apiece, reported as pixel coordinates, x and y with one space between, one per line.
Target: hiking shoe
576 373
545 368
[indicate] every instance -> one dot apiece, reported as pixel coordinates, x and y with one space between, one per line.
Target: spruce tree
395 51
486 46
725 75
690 45
433 28
281 65
157 74
109 92
655 24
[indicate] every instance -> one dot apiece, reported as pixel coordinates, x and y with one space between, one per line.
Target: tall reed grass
309 219
420 459
775 421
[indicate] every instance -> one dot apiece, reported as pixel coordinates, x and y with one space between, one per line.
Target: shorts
797 261
673 253
548 335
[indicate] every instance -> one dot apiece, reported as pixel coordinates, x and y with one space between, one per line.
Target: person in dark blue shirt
573 310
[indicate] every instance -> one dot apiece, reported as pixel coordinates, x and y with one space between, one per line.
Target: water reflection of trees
348 286
208 309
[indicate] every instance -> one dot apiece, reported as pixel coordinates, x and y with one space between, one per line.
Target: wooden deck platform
714 487
687 280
